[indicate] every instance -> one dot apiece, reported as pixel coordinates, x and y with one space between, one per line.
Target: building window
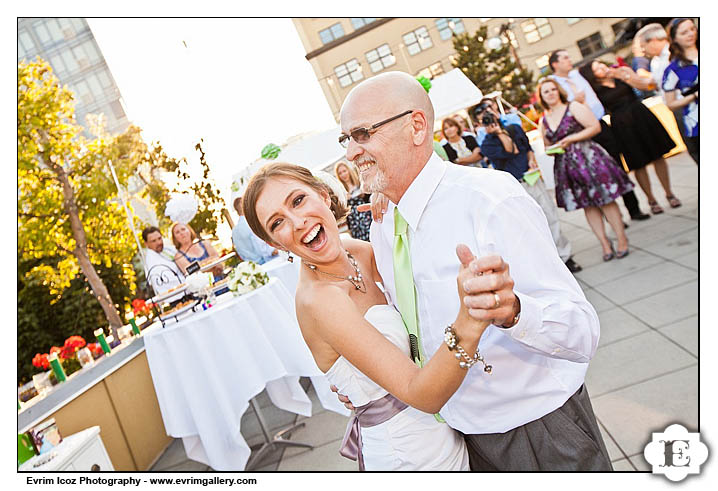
70 61
97 90
104 79
572 20
349 72
83 92
536 29
433 70
417 40
82 59
42 32
78 24
68 32
117 110
448 26
380 58
57 65
359 22
591 44
331 33
24 44
542 61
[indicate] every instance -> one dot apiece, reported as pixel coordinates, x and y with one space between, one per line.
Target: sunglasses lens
360 135
344 141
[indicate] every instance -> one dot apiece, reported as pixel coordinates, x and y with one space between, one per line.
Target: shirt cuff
530 320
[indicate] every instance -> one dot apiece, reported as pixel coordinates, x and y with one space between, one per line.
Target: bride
358 339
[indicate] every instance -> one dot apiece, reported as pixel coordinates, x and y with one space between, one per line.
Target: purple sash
371 414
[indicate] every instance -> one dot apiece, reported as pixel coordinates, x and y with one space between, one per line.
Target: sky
236 83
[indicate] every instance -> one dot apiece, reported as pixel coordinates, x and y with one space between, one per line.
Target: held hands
490 291
493 129
466 257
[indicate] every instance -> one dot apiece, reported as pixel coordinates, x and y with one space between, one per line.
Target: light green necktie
405 290
404 281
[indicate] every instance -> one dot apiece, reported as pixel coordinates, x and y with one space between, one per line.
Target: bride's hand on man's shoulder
378 206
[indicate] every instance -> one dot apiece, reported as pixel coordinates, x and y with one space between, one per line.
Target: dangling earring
290 258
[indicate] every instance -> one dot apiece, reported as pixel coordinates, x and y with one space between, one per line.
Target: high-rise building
70 48
344 51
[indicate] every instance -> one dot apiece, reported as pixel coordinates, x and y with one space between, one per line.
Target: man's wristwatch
516 318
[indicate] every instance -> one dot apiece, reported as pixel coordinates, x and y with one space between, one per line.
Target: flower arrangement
67 355
246 277
140 307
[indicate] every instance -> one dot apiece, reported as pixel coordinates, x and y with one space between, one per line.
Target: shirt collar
416 197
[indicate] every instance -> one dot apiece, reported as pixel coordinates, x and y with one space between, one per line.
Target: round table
207 368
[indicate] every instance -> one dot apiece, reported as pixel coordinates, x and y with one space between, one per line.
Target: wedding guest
680 79
577 88
247 245
641 138
162 273
654 41
508 149
191 249
461 148
585 174
357 221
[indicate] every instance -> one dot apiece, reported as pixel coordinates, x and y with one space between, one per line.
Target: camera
488 119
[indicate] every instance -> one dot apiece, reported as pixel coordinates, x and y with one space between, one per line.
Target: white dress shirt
537 364
581 84
658 66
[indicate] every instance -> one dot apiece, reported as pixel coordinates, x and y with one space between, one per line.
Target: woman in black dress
641 138
357 221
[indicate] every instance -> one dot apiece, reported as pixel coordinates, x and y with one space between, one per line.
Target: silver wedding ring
497 300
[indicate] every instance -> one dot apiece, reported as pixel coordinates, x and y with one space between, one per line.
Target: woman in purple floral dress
586 175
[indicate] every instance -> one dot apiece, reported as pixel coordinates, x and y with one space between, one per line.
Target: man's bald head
397 91
397 150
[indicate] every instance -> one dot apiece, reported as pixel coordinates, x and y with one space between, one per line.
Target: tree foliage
492 70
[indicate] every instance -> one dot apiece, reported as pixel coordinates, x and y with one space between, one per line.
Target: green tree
67 207
492 70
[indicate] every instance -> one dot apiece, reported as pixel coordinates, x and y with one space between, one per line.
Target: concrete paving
645 373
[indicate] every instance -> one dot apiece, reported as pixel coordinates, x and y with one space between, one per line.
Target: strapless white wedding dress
410 440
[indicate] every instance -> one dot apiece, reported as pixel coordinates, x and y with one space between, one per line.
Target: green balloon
270 151
425 82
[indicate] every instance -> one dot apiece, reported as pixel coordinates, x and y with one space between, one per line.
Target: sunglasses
361 135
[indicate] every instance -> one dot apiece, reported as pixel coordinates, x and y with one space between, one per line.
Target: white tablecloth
208 366
286 272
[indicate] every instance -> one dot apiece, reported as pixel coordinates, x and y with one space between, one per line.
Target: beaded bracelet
465 361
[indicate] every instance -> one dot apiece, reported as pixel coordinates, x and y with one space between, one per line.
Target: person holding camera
508 148
680 79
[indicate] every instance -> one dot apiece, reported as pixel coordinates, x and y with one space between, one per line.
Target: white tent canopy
451 93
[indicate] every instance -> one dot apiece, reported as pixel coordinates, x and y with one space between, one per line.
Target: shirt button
556 350
523 333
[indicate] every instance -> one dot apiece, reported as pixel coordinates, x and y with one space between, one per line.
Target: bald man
530 411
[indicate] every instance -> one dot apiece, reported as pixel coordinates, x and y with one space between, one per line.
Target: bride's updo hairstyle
287 171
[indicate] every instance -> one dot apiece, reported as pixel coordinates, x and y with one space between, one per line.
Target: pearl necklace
357 280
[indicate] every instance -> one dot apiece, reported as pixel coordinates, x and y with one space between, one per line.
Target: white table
81 452
207 368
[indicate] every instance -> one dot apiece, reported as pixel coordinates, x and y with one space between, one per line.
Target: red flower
40 361
55 349
95 348
76 342
139 306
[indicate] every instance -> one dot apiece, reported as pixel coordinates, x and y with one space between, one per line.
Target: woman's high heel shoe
621 254
610 255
